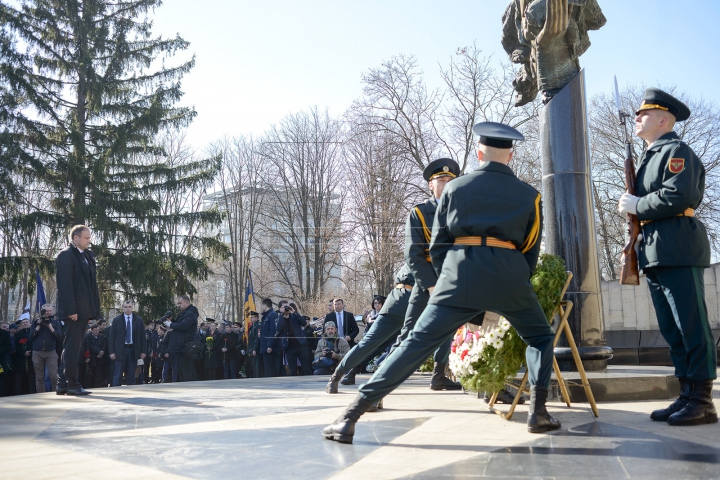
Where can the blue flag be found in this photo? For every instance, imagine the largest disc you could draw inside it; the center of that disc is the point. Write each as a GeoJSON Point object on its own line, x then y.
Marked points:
{"type": "Point", "coordinates": [40, 293]}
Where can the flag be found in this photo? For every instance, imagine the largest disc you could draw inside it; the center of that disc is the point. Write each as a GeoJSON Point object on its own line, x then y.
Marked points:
{"type": "Point", "coordinates": [40, 293]}
{"type": "Point", "coordinates": [249, 303]}
{"type": "Point", "coordinates": [26, 313]}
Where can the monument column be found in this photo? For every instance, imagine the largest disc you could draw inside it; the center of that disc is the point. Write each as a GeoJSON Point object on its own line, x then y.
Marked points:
{"type": "Point", "coordinates": [547, 37]}
{"type": "Point", "coordinates": [570, 219]}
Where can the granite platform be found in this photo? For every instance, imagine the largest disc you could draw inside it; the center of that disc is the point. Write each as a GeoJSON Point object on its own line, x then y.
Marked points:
{"type": "Point", "coordinates": [270, 429]}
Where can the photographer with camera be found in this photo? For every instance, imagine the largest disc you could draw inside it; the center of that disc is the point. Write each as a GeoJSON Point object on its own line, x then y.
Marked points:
{"type": "Point", "coordinates": [291, 328]}
{"type": "Point", "coordinates": [46, 335]}
{"type": "Point", "coordinates": [330, 350]}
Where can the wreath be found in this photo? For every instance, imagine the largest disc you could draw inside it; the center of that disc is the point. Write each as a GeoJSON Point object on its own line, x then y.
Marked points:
{"type": "Point", "coordinates": [482, 361]}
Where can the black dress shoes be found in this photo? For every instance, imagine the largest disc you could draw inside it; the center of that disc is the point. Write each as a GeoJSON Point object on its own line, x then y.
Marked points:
{"type": "Point", "coordinates": [77, 391]}
{"type": "Point", "coordinates": [60, 391]}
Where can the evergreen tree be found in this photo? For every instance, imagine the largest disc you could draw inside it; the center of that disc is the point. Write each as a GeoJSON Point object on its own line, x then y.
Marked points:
{"type": "Point", "coordinates": [102, 74]}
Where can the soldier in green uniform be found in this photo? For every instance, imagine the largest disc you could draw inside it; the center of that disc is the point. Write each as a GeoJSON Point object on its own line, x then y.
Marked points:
{"type": "Point", "coordinates": [485, 245]}
{"type": "Point", "coordinates": [418, 231]}
{"type": "Point", "coordinates": [383, 331]}
{"type": "Point", "coordinates": [673, 252]}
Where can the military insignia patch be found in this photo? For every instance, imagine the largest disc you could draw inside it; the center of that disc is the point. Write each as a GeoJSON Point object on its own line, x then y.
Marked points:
{"type": "Point", "coordinates": [676, 165]}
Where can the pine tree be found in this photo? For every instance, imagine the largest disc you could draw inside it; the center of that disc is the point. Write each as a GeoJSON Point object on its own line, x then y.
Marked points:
{"type": "Point", "coordinates": [103, 75]}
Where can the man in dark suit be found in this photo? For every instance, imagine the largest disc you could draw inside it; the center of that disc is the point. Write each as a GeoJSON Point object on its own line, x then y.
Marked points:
{"type": "Point", "coordinates": [347, 326]}
{"type": "Point", "coordinates": [78, 300]}
{"type": "Point", "coordinates": [127, 344]}
{"type": "Point", "coordinates": [184, 329]}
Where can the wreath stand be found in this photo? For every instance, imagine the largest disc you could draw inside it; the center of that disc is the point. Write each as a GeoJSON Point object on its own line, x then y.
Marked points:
{"type": "Point", "coordinates": [563, 310]}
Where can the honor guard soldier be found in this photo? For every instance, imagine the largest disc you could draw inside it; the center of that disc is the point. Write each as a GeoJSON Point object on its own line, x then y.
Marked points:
{"type": "Point", "coordinates": [418, 231]}
{"type": "Point", "coordinates": [485, 245]}
{"type": "Point", "coordinates": [673, 252]}
{"type": "Point", "coordinates": [383, 331]}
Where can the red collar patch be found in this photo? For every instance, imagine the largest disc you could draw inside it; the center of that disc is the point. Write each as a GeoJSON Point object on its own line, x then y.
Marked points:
{"type": "Point", "coordinates": [676, 165]}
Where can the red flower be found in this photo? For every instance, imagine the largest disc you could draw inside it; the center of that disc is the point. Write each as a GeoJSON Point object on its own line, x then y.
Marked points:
{"type": "Point", "coordinates": [87, 353]}
{"type": "Point", "coordinates": [464, 354]}
{"type": "Point", "coordinates": [454, 347]}
{"type": "Point", "coordinates": [23, 341]}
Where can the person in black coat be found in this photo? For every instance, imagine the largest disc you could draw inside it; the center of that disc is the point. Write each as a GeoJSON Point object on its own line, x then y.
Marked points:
{"type": "Point", "coordinates": [184, 329]}
{"type": "Point", "coordinates": [97, 345]}
{"type": "Point", "coordinates": [228, 352]}
{"type": "Point", "coordinates": [5, 348]}
{"type": "Point", "coordinates": [78, 300]}
{"type": "Point", "coordinates": [291, 326]}
{"type": "Point", "coordinates": [163, 354]}
{"type": "Point", "coordinates": [126, 347]}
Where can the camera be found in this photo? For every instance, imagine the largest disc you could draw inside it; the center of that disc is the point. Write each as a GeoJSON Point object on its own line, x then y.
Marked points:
{"type": "Point", "coordinates": [329, 353]}
{"type": "Point", "coordinates": [286, 308]}
{"type": "Point", "coordinates": [43, 320]}
{"type": "Point", "coordinates": [167, 315]}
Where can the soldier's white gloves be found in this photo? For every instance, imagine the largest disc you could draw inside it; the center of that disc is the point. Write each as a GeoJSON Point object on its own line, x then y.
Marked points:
{"type": "Point", "coordinates": [628, 203]}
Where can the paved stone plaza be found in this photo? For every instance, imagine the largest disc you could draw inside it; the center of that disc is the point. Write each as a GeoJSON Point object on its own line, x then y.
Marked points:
{"type": "Point", "coordinates": [270, 428]}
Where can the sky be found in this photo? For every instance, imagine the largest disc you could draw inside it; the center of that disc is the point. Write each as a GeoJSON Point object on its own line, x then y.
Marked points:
{"type": "Point", "coordinates": [259, 60]}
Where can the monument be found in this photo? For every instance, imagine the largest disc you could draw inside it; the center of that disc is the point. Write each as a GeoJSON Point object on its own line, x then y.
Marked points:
{"type": "Point", "coordinates": [547, 37]}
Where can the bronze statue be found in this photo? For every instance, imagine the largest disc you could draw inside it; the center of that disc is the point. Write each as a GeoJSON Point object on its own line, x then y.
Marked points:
{"type": "Point", "coordinates": [547, 37]}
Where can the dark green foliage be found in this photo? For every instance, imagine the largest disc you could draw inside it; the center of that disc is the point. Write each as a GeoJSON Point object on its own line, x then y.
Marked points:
{"type": "Point", "coordinates": [429, 365]}
{"type": "Point", "coordinates": [496, 365]}
{"type": "Point", "coordinates": [101, 91]}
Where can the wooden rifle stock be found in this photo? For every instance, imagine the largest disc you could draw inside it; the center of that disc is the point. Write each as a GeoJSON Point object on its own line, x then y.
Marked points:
{"type": "Point", "coordinates": [630, 273]}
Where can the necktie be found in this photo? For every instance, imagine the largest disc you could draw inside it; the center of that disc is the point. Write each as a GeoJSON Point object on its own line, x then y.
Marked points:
{"type": "Point", "coordinates": [128, 330]}
{"type": "Point", "coordinates": [340, 324]}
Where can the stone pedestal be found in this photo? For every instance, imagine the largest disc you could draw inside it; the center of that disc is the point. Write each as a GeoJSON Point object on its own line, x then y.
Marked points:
{"type": "Point", "coordinates": [570, 219]}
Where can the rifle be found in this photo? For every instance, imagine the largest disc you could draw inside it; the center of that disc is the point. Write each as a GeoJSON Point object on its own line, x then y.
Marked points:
{"type": "Point", "coordinates": [630, 273]}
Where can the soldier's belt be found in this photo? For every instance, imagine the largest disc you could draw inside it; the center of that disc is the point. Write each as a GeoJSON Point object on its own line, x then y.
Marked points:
{"type": "Point", "coordinates": [690, 212]}
{"type": "Point", "coordinates": [403, 285]}
{"type": "Point", "coordinates": [473, 241]}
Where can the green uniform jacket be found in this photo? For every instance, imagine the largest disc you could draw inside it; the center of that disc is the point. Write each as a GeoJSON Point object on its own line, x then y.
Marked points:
{"type": "Point", "coordinates": [490, 201]}
{"type": "Point", "coordinates": [671, 178]}
{"type": "Point", "coordinates": [418, 229]}
{"type": "Point", "coordinates": [254, 338]}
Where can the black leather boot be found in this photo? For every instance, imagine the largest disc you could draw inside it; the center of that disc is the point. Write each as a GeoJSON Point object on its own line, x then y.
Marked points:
{"type": "Point", "coordinates": [349, 379]}
{"type": "Point", "coordinates": [343, 429]}
{"type": "Point", "coordinates": [699, 410]}
{"type": "Point", "coordinates": [332, 386]}
{"type": "Point", "coordinates": [663, 414]}
{"type": "Point", "coordinates": [539, 420]}
{"type": "Point", "coordinates": [504, 397]}
{"type": "Point", "coordinates": [439, 381]}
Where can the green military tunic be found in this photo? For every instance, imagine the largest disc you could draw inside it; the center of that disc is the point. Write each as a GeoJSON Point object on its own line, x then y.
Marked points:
{"type": "Point", "coordinates": [675, 251]}
{"type": "Point", "coordinates": [671, 179]}
{"type": "Point", "coordinates": [489, 202]}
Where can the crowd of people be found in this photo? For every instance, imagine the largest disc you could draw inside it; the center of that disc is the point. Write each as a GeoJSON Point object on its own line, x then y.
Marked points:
{"type": "Point", "coordinates": [130, 351]}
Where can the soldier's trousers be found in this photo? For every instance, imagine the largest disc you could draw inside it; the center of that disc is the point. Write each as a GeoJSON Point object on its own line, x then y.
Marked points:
{"type": "Point", "coordinates": [678, 294]}
{"type": "Point", "coordinates": [382, 333]}
{"type": "Point", "coordinates": [414, 311]}
{"type": "Point", "coordinates": [438, 322]}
